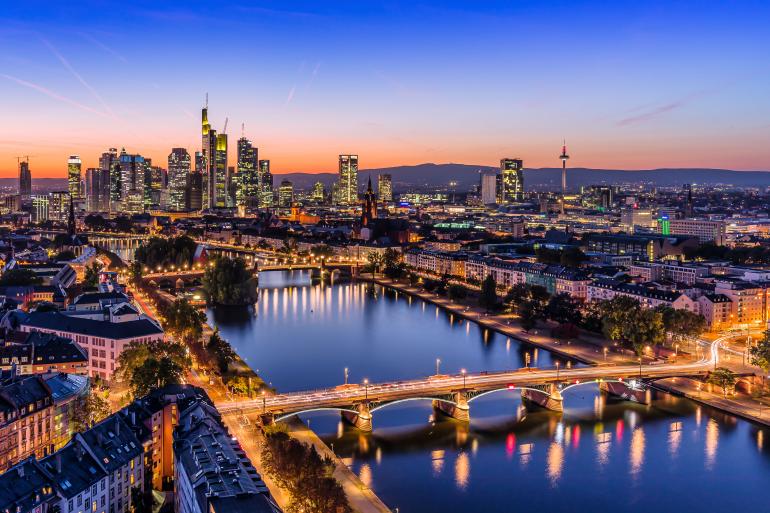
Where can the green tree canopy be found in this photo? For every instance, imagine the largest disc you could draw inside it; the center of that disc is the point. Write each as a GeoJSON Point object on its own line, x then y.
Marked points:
{"type": "Point", "coordinates": [19, 278]}
{"type": "Point", "coordinates": [723, 378]}
{"type": "Point", "coordinates": [229, 282]}
{"type": "Point", "coordinates": [759, 353]}
{"type": "Point", "coordinates": [488, 295]}
{"type": "Point", "coordinates": [162, 252]}
{"type": "Point", "coordinates": [155, 364]}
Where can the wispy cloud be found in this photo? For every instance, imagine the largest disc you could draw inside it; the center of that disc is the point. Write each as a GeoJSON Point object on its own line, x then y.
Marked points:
{"type": "Point", "coordinates": [78, 77]}
{"type": "Point", "coordinates": [400, 87]}
{"type": "Point", "coordinates": [275, 12]}
{"type": "Point", "coordinates": [314, 74]}
{"type": "Point", "coordinates": [290, 97]}
{"type": "Point", "coordinates": [103, 46]}
{"type": "Point", "coordinates": [53, 94]}
{"type": "Point", "coordinates": [651, 113]}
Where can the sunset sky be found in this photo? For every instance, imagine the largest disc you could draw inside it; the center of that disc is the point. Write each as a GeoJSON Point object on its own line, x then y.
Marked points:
{"type": "Point", "coordinates": [630, 85]}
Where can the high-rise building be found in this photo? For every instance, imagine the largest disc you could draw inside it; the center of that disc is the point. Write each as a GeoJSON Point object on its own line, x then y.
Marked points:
{"type": "Point", "coordinates": [266, 199]}
{"type": "Point", "coordinates": [512, 175]}
{"type": "Point", "coordinates": [97, 187]}
{"type": "Point", "coordinates": [59, 206]}
{"type": "Point", "coordinates": [564, 158]}
{"type": "Point", "coordinates": [285, 194]}
{"type": "Point", "coordinates": [40, 204]}
{"type": "Point", "coordinates": [109, 163]}
{"type": "Point", "coordinates": [132, 182]}
{"type": "Point", "coordinates": [195, 189]}
{"type": "Point", "coordinates": [74, 177]}
{"type": "Point", "coordinates": [348, 194]}
{"type": "Point", "coordinates": [154, 182]}
{"type": "Point", "coordinates": [489, 189]}
{"type": "Point", "coordinates": [221, 175]}
{"type": "Point", "coordinates": [318, 193]}
{"type": "Point", "coordinates": [215, 178]}
{"type": "Point", "coordinates": [178, 178]}
{"type": "Point", "coordinates": [248, 181]}
{"type": "Point", "coordinates": [25, 180]}
{"type": "Point", "coordinates": [385, 188]}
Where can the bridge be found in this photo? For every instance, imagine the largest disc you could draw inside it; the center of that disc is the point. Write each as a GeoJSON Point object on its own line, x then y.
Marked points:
{"type": "Point", "coordinates": [452, 394]}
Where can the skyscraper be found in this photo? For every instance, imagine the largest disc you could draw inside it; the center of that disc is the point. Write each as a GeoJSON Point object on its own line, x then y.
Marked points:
{"type": "Point", "coordinates": [97, 190]}
{"type": "Point", "coordinates": [73, 177]}
{"type": "Point", "coordinates": [248, 181]}
{"type": "Point", "coordinates": [318, 193]}
{"type": "Point", "coordinates": [178, 178]}
{"type": "Point", "coordinates": [385, 188]}
{"type": "Point", "coordinates": [266, 199]}
{"type": "Point", "coordinates": [154, 182]}
{"type": "Point", "coordinates": [512, 175]}
{"type": "Point", "coordinates": [489, 189]}
{"type": "Point", "coordinates": [110, 165]}
{"type": "Point", "coordinates": [59, 206]}
{"type": "Point", "coordinates": [221, 177]}
{"type": "Point", "coordinates": [132, 182]}
{"type": "Point", "coordinates": [348, 194]}
{"type": "Point", "coordinates": [25, 180]}
{"type": "Point", "coordinates": [285, 194]}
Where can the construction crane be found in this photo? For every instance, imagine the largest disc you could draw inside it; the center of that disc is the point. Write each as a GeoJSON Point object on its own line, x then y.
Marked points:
{"type": "Point", "coordinates": [243, 130]}
{"type": "Point", "coordinates": [25, 157]}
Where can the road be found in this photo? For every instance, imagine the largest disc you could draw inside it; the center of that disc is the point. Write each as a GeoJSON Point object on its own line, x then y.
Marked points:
{"type": "Point", "coordinates": [345, 396]}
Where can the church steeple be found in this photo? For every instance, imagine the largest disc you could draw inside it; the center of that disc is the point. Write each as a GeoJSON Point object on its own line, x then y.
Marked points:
{"type": "Point", "coordinates": [369, 211]}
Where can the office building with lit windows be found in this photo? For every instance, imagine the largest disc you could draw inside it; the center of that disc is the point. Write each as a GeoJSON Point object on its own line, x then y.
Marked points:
{"type": "Point", "coordinates": [348, 179]}
{"type": "Point", "coordinates": [512, 176]}
{"type": "Point", "coordinates": [74, 176]}
{"type": "Point", "coordinates": [178, 178]}
{"type": "Point", "coordinates": [385, 188]}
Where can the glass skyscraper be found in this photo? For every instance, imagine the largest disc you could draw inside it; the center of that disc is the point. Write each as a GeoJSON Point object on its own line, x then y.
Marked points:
{"type": "Point", "coordinates": [178, 179]}
{"type": "Point", "coordinates": [348, 192]}
{"type": "Point", "coordinates": [512, 177]}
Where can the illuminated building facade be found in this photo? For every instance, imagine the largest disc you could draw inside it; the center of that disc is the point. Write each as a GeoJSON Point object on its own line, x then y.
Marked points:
{"type": "Point", "coordinates": [25, 180]}
{"type": "Point", "coordinates": [178, 178]}
{"type": "Point", "coordinates": [512, 175]}
{"type": "Point", "coordinates": [109, 163]}
{"type": "Point", "coordinates": [266, 198]}
{"type": "Point", "coordinates": [74, 176]}
{"type": "Point", "coordinates": [348, 193]}
{"type": "Point", "coordinates": [58, 206]}
{"type": "Point", "coordinates": [285, 194]}
{"type": "Point", "coordinates": [318, 193]}
{"type": "Point", "coordinates": [132, 182]}
{"type": "Point", "coordinates": [385, 188]}
{"type": "Point", "coordinates": [248, 178]}
{"type": "Point", "coordinates": [97, 190]}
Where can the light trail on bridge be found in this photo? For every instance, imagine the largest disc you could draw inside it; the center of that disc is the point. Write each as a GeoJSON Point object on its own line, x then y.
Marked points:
{"type": "Point", "coordinates": [343, 396]}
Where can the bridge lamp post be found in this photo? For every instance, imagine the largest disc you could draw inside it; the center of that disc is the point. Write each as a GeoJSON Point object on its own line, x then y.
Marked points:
{"type": "Point", "coordinates": [366, 389]}
{"type": "Point", "coordinates": [438, 364]}
{"type": "Point", "coordinates": [464, 372]}
{"type": "Point", "coordinates": [640, 367]}
{"type": "Point", "coordinates": [346, 375]}
{"type": "Point", "coordinates": [558, 366]}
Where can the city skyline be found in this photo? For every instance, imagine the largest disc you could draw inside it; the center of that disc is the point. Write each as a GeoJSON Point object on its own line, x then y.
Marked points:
{"type": "Point", "coordinates": [629, 87]}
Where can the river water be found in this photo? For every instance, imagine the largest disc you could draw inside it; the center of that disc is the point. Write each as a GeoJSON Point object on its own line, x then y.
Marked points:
{"type": "Point", "coordinates": [601, 454]}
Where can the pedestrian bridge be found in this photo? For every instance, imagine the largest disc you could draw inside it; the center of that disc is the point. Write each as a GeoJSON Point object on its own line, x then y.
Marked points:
{"type": "Point", "coordinates": [453, 394]}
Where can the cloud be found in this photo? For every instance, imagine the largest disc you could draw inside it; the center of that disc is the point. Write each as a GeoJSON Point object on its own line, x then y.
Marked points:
{"type": "Point", "coordinates": [652, 113]}
{"type": "Point", "coordinates": [78, 77]}
{"type": "Point", "coordinates": [275, 12]}
{"type": "Point", "coordinates": [313, 74]}
{"type": "Point", "coordinates": [291, 95]}
{"type": "Point", "coordinates": [54, 95]}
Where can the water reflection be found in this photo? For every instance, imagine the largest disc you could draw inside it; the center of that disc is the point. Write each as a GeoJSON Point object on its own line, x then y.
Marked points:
{"type": "Point", "coordinates": [462, 470]}
{"type": "Point", "coordinates": [712, 442]}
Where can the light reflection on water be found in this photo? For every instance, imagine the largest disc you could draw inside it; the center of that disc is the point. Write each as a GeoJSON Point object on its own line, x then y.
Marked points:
{"type": "Point", "coordinates": [601, 453]}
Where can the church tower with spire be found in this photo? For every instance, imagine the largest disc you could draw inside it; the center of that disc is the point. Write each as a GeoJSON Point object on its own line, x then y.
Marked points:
{"type": "Point", "coordinates": [369, 211]}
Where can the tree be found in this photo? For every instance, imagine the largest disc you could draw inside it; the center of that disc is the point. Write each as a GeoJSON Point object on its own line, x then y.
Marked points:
{"type": "Point", "coordinates": [529, 314]}
{"type": "Point", "coordinates": [322, 250]}
{"type": "Point", "coordinates": [155, 372]}
{"type": "Point", "coordinates": [457, 292]}
{"type": "Point", "coordinates": [572, 257]}
{"type": "Point", "coordinates": [91, 278]}
{"type": "Point", "coordinates": [646, 328]}
{"type": "Point", "coordinates": [95, 222]}
{"type": "Point", "coordinates": [184, 321]}
{"type": "Point", "coordinates": [61, 240]}
{"type": "Point", "coordinates": [759, 353]}
{"type": "Point", "coordinates": [722, 377]}
{"type": "Point", "coordinates": [564, 309]}
{"type": "Point", "coordinates": [221, 350]}
{"type": "Point", "coordinates": [488, 295]}
{"type": "Point", "coordinates": [64, 256]}
{"type": "Point", "coordinates": [88, 410]}
{"type": "Point", "coordinates": [19, 278]}
{"type": "Point", "coordinates": [375, 260]}
{"type": "Point", "coordinates": [155, 364]}
{"type": "Point", "coordinates": [229, 282]}
{"type": "Point", "coordinates": [162, 252]}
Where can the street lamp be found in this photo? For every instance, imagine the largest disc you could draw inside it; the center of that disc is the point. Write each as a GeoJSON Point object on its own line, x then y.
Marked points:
{"type": "Point", "coordinates": [438, 363]}
{"type": "Point", "coordinates": [640, 367]}
{"type": "Point", "coordinates": [605, 353]}
{"type": "Point", "coordinates": [346, 375]}
{"type": "Point", "coordinates": [558, 365]}
{"type": "Point", "coordinates": [264, 405]}
{"type": "Point", "coordinates": [463, 371]}
{"type": "Point", "coordinates": [366, 389]}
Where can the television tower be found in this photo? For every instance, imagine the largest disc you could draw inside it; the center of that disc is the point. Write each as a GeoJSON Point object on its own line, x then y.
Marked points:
{"type": "Point", "coordinates": [564, 157]}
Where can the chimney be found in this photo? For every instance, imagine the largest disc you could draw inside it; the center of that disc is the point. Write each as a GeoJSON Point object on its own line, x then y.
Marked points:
{"type": "Point", "coordinates": [58, 462]}
{"type": "Point", "coordinates": [117, 425]}
{"type": "Point", "coordinates": [133, 418]}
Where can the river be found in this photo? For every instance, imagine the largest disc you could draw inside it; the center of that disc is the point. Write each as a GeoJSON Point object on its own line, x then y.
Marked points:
{"type": "Point", "coordinates": [601, 454]}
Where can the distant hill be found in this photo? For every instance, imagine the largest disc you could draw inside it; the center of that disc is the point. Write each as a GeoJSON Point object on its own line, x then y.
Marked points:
{"type": "Point", "coordinates": [434, 175]}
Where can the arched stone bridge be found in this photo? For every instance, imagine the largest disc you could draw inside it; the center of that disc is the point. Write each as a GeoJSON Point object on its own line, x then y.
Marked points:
{"type": "Point", "coordinates": [452, 394]}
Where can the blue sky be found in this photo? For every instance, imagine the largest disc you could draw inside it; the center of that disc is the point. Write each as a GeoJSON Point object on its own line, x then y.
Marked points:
{"type": "Point", "coordinates": [628, 84]}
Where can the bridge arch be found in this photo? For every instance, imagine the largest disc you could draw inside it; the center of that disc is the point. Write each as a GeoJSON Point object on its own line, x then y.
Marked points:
{"type": "Point", "coordinates": [628, 383]}
{"type": "Point", "coordinates": [311, 410]}
{"type": "Point", "coordinates": [503, 389]}
{"type": "Point", "coordinates": [408, 399]}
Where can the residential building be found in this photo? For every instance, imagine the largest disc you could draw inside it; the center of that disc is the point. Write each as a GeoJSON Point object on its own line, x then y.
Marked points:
{"type": "Point", "coordinates": [439, 263]}
{"type": "Point", "coordinates": [39, 353]}
{"type": "Point", "coordinates": [649, 297]}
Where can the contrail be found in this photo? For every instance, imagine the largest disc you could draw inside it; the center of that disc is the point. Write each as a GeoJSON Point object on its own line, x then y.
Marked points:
{"type": "Point", "coordinates": [103, 46]}
{"type": "Point", "coordinates": [54, 95]}
{"type": "Point", "coordinates": [291, 95]}
{"type": "Point", "coordinates": [80, 79]}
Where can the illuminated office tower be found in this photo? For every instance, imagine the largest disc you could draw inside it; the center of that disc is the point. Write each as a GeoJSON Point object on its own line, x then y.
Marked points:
{"type": "Point", "coordinates": [195, 185]}
{"type": "Point", "coordinates": [348, 181]}
{"type": "Point", "coordinates": [221, 177]}
{"type": "Point", "coordinates": [154, 182]}
{"type": "Point", "coordinates": [59, 206]}
{"type": "Point", "coordinates": [97, 190]}
{"type": "Point", "coordinates": [285, 194]}
{"type": "Point", "coordinates": [248, 181]}
{"type": "Point", "coordinates": [73, 177]}
{"type": "Point", "coordinates": [25, 180]}
{"type": "Point", "coordinates": [40, 204]}
{"type": "Point", "coordinates": [178, 178]}
{"type": "Point", "coordinates": [215, 177]}
{"type": "Point", "coordinates": [109, 163]}
{"type": "Point", "coordinates": [132, 182]}
{"type": "Point", "coordinates": [385, 188]}
{"type": "Point", "coordinates": [318, 194]}
{"type": "Point", "coordinates": [512, 176]}
{"type": "Point", "coordinates": [266, 198]}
